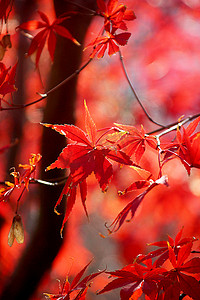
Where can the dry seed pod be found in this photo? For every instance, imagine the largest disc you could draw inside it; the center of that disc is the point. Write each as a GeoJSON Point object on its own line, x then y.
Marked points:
{"type": "Point", "coordinates": [16, 231]}
{"type": "Point", "coordinates": [11, 236]}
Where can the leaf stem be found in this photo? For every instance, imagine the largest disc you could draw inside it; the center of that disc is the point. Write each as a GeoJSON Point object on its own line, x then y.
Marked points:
{"type": "Point", "coordinates": [134, 92]}
{"type": "Point", "coordinates": [17, 207]}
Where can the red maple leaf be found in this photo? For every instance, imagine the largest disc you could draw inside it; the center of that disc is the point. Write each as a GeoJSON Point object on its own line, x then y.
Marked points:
{"type": "Point", "coordinates": [20, 178]}
{"type": "Point", "coordinates": [7, 80]}
{"type": "Point", "coordinates": [163, 252]}
{"type": "Point", "coordinates": [133, 205]}
{"type": "Point", "coordinates": [111, 41]}
{"type": "Point", "coordinates": [77, 289]}
{"type": "Point", "coordinates": [156, 282]}
{"type": "Point", "coordinates": [83, 155]}
{"type": "Point", "coordinates": [134, 141]}
{"type": "Point", "coordinates": [186, 146]}
{"type": "Point", "coordinates": [48, 33]}
{"type": "Point", "coordinates": [114, 15]}
{"type": "Point", "coordinates": [29, 169]}
{"type": "Point", "coordinates": [177, 280]}
{"type": "Point", "coordinates": [136, 277]}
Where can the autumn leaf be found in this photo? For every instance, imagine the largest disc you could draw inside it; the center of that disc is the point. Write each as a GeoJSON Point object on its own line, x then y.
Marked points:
{"type": "Point", "coordinates": [114, 14]}
{"type": "Point", "coordinates": [7, 80]}
{"type": "Point", "coordinates": [185, 283]}
{"type": "Point", "coordinates": [29, 169]}
{"type": "Point", "coordinates": [187, 146]}
{"type": "Point", "coordinates": [47, 34]}
{"type": "Point", "coordinates": [85, 155]}
{"type": "Point", "coordinates": [163, 252]}
{"type": "Point", "coordinates": [133, 205]}
{"type": "Point", "coordinates": [110, 41]}
{"type": "Point", "coordinates": [21, 179]}
{"type": "Point", "coordinates": [77, 286]}
{"type": "Point", "coordinates": [135, 277]}
{"type": "Point", "coordinates": [154, 281]}
{"type": "Point", "coordinates": [134, 141]}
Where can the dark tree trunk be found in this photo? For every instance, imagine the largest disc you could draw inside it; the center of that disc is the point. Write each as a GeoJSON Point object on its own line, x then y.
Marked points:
{"type": "Point", "coordinates": [46, 241]}
{"type": "Point", "coordinates": [24, 10]}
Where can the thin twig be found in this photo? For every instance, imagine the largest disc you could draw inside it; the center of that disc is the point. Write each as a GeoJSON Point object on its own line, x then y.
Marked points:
{"type": "Point", "coordinates": [174, 124]}
{"type": "Point", "coordinates": [45, 95]}
{"type": "Point", "coordinates": [134, 92]}
{"type": "Point", "coordinates": [56, 183]}
{"type": "Point", "coordinates": [172, 128]}
{"type": "Point", "coordinates": [17, 207]}
{"type": "Point", "coordinates": [93, 12]}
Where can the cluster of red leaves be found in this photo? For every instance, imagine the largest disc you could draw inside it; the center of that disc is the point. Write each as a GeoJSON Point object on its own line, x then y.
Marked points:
{"type": "Point", "coordinates": [21, 180]}
{"type": "Point", "coordinates": [48, 33]}
{"type": "Point", "coordinates": [77, 289]}
{"type": "Point", "coordinates": [88, 152]}
{"type": "Point", "coordinates": [155, 280]}
{"type": "Point", "coordinates": [114, 15]}
{"type": "Point", "coordinates": [186, 146]}
{"type": "Point", "coordinates": [7, 81]}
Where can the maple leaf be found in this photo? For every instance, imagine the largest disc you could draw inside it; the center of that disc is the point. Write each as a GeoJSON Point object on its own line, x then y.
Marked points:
{"type": "Point", "coordinates": [5, 192]}
{"type": "Point", "coordinates": [187, 146]}
{"type": "Point", "coordinates": [7, 80]}
{"type": "Point", "coordinates": [29, 169]}
{"type": "Point", "coordinates": [133, 205]}
{"type": "Point", "coordinates": [163, 252]}
{"type": "Point", "coordinates": [111, 41]}
{"type": "Point", "coordinates": [179, 280]}
{"type": "Point", "coordinates": [20, 179]}
{"type": "Point", "coordinates": [136, 277]}
{"type": "Point", "coordinates": [48, 33]}
{"type": "Point", "coordinates": [114, 15]}
{"type": "Point", "coordinates": [134, 141]}
{"type": "Point", "coordinates": [77, 289]}
{"type": "Point", "coordinates": [84, 155]}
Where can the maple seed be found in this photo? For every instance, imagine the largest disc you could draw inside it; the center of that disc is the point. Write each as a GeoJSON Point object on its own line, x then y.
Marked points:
{"type": "Point", "coordinates": [16, 231]}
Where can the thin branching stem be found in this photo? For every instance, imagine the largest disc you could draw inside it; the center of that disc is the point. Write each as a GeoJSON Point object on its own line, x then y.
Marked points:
{"type": "Point", "coordinates": [93, 12]}
{"type": "Point", "coordinates": [45, 95]}
{"type": "Point", "coordinates": [134, 92]}
{"type": "Point", "coordinates": [18, 200]}
{"type": "Point", "coordinates": [173, 126]}
{"type": "Point", "coordinates": [51, 183]}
